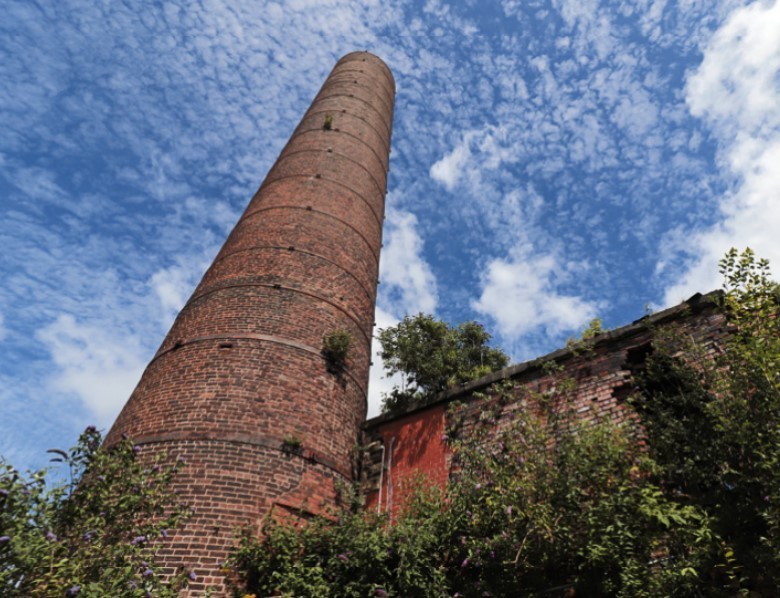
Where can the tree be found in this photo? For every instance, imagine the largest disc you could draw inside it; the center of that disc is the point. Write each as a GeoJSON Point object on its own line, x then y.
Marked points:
{"type": "Point", "coordinates": [713, 425]}
{"type": "Point", "coordinates": [432, 356]}
{"type": "Point", "coordinates": [93, 535]}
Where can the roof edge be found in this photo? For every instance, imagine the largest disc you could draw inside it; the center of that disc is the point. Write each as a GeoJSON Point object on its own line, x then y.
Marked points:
{"type": "Point", "coordinates": [695, 304]}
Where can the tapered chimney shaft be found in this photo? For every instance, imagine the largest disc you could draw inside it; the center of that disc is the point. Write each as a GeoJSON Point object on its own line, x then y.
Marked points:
{"type": "Point", "coordinates": [240, 387]}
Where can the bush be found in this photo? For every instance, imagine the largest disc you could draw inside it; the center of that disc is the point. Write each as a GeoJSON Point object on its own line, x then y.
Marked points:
{"type": "Point", "coordinates": [337, 346]}
{"type": "Point", "coordinates": [713, 425]}
{"type": "Point", "coordinates": [542, 504]}
{"type": "Point", "coordinates": [96, 535]}
{"type": "Point", "coordinates": [520, 516]}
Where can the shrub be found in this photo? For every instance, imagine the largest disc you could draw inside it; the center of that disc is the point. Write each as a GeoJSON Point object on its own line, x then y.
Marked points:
{"type": "Point", "coordinates": [96, 535]}
{"type": "Point", "coordinates": [337, 346]}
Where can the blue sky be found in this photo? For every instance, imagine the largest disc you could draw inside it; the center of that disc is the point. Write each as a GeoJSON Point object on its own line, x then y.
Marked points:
{"type": "Point", "coordinates": [552, 161]}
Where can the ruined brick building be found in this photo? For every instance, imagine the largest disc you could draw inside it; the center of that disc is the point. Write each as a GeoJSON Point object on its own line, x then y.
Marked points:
{"type": "Point", "coordinates": [241, 388]}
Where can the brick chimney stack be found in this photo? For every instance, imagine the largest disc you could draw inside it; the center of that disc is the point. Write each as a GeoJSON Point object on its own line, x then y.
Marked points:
{"type": "Point", "coordinates": [240, 387]}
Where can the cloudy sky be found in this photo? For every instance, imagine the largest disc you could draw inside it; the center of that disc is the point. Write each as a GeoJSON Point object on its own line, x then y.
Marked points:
{"type": "Point", "coordinates": [552, 161]}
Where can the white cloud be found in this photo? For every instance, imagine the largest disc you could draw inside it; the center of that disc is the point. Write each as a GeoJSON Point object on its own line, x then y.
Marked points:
{"type": "Point", "coordinates": [168, 285]}
{"type": "Point", "coordinates": [174, 285]}
{"type": "Point", "coordinates": [736, 90]}
{"type": "Point", "coordinates": [449, 169]}
{"type": "Point", "coordinates": [477, 152]}
{"type": "Point", "coordinates": [408, 287]}
{"type": "Point", "coordinates": [378, 384]}
{"type": "Point", "coordinates": [408, 284]}
{"type": "Point", "coordinates": [99, 366]}
{"type": "Point", "coordinates": [520, 295]}
{"type": "Point", "coordinates": [736, 85]}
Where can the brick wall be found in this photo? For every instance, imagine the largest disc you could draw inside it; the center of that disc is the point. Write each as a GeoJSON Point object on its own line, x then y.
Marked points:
{"type": "Point", "coordinates": [241, 369]}
{"type": "Point", "coordinates": [414, 441]}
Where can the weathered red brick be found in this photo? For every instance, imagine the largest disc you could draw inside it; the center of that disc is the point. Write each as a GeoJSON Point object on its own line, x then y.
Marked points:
{"type": "Point", "coordinates": [241, 368]}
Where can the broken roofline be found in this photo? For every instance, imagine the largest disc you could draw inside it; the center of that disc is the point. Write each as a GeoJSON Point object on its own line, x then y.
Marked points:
{"type": "Point", "coordinates": [693, 305]}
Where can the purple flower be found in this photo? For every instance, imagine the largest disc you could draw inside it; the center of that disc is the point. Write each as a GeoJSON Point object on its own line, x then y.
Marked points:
{"type": "Point", "coordinates": [147, 572]}
{"type": "Point", "coordinates": [192, 575]}
{"type": "Point", "coordinates": [478, 486]}
{"type": "Point", "coordinates": [509, 510]}
{"type": "Point", "coordinates": [137, 449]}
{"type": "Point", "coordinates": [164, 533]}
{"type": "Point", "coordinates": [155, 468]}
{"type": "Point", "coordinates": [50, 536]}
{"type": "Point", "coordinates": [5, 539]}
{"type": "Point", "coordinates": [73, 591]}
{"type": "Point", "coordinates": [138, 540]}
{"type": "Point", "coordinates": [91, 429]}
{"type": "Point", "coordinates": [342, 557]}
{"type": "Point", "coordinates": [380, 592]}
{"type": "Point", "coordinates": [89, 535]}
{"type": "Point", "coordinates": [444, 438]}
{"type": "Point", "coordinates": [3, 492]}
{"type": "Point", "coordinates": [465, 563]}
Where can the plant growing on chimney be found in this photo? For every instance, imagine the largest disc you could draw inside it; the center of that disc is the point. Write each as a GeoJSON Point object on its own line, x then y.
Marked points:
{"type": "Point", "coordinates": [291, 444]}
{"type": "Point", "coordinates": [328, 125]}
{"type": "Point", "coordinates": [336, 346]}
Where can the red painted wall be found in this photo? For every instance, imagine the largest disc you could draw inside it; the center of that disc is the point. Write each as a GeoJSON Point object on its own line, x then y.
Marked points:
{"type": "Point", "coordinates": [414, 445]}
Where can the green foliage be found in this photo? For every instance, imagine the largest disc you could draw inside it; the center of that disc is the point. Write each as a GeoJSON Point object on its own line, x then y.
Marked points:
{"type": "Point", "coordinates": [94, 535]}
{"type": "Point", "coordinates": [433, 356]}
{"type": "Point", "coordinates": [713, 425]}
{"type": "Point", "coordinates": [353, 555]}
{"type": "Point", "coordinates": [328, 124]}
{"type": "Point", "coordinates": [544, 504]}
{"type": "Point", "coordinates": [522, 517]}
{"type": "Point", "coordinates": [595, 328]}
{"type": "Point", "coordinates": [336, 346]}
{"type": "Point", "coordinates": [583, 514]}
{"type": "Point", "coordinates": [292, 443]}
